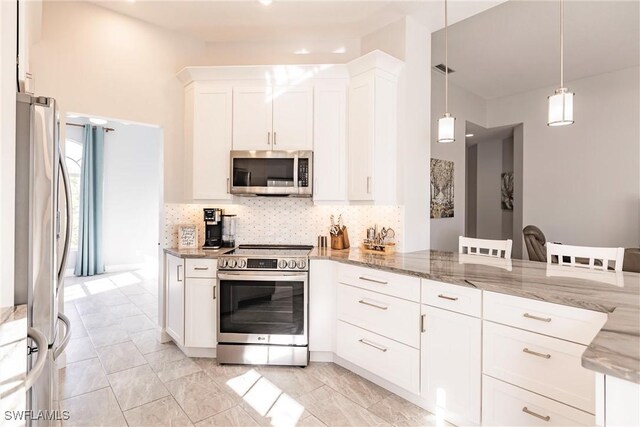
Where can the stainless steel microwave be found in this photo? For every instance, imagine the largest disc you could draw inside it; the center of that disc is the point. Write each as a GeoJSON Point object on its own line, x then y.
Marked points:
{"type": "Point", "coordinates": [272, 173]}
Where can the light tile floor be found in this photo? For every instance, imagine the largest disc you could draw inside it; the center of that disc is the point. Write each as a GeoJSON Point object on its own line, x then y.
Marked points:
{"type": "Point", "coordinates": [118, 374]}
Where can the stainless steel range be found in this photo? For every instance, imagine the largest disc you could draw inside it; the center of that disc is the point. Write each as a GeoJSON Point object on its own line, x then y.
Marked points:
{"type": "Point", "coordinates": [263, 305]}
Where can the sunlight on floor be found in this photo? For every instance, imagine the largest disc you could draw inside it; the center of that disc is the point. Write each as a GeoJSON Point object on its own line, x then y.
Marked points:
{"type": "Point", "coordinates": [80, 287]}
{"type": "Point", "coordinates": [266, 398]}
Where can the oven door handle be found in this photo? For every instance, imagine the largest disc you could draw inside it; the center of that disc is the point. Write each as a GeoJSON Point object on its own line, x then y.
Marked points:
{"type": "Point", "coordinates": [265, 276]}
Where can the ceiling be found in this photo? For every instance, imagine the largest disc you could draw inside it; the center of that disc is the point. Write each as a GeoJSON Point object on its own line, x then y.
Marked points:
{"type": "Point", "coordinates": [514, 47]}
{"type": "Point", "coordinates": [250, 21]}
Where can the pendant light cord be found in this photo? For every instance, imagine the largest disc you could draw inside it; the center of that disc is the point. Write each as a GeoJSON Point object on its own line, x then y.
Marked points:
{"type": "Point", "coordinates": [446, 60]}
{"type": "Point", "coordinates": [561, 43]}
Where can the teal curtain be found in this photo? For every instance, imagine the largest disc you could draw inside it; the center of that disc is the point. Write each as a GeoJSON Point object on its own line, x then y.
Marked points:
{"type": "Point", "coordinates": [89, 261]}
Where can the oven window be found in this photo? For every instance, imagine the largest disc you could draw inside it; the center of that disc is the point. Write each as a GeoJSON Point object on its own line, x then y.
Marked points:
{"type": "Point", "coordinates": [250, 172]}
{"type": "Point", "coordinates": [261, 307]}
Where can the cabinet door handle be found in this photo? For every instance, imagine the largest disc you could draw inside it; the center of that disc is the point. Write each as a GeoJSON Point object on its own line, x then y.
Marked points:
{"type": "Point", "coordinates": [214, 292]}
{"type": "Point", "coordinates": [178, 273]}
{"type": "Point", "coordinates": [449, 298]}
{"type": "Point", "coordinates": [370, 344]}
{"type": "Point", "coordinates": [274, 138]}
{"type": "Point", "coordinates": [535, 353]}
{"type": "Point", "coordinates": [201, 268]}
{"type": "Point", "coordinates": [381, 307]}
{"type": "Point", "coordinates": [228, 186]}
{"type": "Point", "coordinates": [368, 185]}
{"type": "Point", "coordinates": [268, 138]}
{"type": "Point", "coordinates": [372, 280]}
{"type": "Point", "coordinates": [542, 417]}
{"type": "Point", "coordinates": [542, 319]}
{"type": "Point", "coordinates": [423, 321]}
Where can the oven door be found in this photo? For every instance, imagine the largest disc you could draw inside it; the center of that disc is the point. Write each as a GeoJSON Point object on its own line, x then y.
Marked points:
{"type": "Point", "coordinates": [263, 308]}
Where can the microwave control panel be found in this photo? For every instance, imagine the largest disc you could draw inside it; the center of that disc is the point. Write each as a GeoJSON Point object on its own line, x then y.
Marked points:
{"type": "Point", "coordinates": [303, 172]}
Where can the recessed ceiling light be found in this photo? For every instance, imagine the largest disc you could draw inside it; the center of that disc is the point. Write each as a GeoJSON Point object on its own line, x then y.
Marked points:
{"type": "Point", "coordinates": [301, 52]}
{"type": "Point", "coordinates": [265, 2]}
{"type": "Point", "coordinates": [469, 135]}
{"type": "Point", "coordinates": [341, 49]}
{"type": "Point", "coordinates": [98, 121]}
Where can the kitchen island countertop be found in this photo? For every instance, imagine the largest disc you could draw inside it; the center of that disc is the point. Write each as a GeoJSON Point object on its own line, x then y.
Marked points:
{"type": "Point", "coordinates": [616, 348]}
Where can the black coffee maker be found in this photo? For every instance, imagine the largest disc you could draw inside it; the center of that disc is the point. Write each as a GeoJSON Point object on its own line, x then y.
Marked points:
{"type": "Point", "coordinates": [212, 228]}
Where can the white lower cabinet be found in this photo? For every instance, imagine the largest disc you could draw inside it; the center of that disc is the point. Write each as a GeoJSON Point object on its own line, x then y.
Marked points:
{"type": "Point", "coordinates": [383, 314]}
{"type": "Point", "coordinates": [507, 405]}
{"type": "Point", "coordinates": [174, 279]}
{"type": "Point", "coordinates": [191, 301]}
{"type": "Point", "coordinates": [322, 306]}
{"type": "Point", "coordinates": [451, 365]}
{"type": "Point", "coordinates": [200, 313]}
{"type": "Point", "coordinates": [541, 364]}
{"type": "Point", "coordinates": [384, 357]}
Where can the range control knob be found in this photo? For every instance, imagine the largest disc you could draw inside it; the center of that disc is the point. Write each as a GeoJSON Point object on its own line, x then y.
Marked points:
{"type": "Point", "coordinates": [242, 263]}
{"type": "Point", "coordinates": [232, 263]}
{"type": "Point", "coordinates": [282, 264]}
{"type": "Point", "coordinates": [222, 262]}
{"type": "Point", "coordinates": [301, 264]}
{"type": "Point", "coordinates": [292, 264]}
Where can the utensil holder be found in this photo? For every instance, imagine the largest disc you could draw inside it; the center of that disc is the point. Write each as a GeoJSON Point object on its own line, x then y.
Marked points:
{"type": "Point", "coordinates": [337, 241]}
{"type": "Point", "coordinates": [345, 238]}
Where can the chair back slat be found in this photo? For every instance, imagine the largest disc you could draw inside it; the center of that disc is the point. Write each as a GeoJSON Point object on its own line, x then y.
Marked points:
{"type": "Point", "coordinates": [585, 256]}
{"type": "Point", "coordinates": [485, 247]}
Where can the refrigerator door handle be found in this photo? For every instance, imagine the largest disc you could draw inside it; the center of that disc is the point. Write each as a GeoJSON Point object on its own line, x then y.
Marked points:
{"type": "Point", "coordinates": [43, 350]}
{"type": "Point", "coordinates": [67, 336]}
{"type": "Point", "coordinates": [67, 231]}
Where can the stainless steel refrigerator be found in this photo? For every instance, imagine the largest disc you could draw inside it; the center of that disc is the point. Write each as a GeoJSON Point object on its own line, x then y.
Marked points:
{"type": "Point", "coordinates": [42, 234]}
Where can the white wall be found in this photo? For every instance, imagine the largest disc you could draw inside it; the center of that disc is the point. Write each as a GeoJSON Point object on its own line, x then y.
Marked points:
{"type": "Point", "coordinates": [8, 10]}
{"type": "Point", "coordinates": [581, 183]}
{"type": "Point", "coordinates": [98, 62]}
{"type": "Point", "coordinates": [464, 106]}
{"type": "Point", "coordinates": [132, 184]}
{"type": "Point", "coordinates": [489, 213]}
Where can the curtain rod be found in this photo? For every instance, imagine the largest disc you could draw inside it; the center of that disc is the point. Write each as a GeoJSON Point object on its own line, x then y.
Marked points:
{"type": "Point", "coordinates": [75, 124]}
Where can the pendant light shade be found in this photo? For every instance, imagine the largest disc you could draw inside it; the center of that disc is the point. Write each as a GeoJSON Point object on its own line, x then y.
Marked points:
{"type": "Point", "coordinates": [561, 102]}
{"type": "Point", "coordinates": [446, 129]}
{"type": "Point", "coordinates": [560, 108]}
{"type": "Point", "coordinates": [446, 123]}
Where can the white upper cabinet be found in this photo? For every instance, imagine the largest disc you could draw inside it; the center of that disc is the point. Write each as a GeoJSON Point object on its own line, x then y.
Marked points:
{"type": "Point", "coordinates": [252, 118]}
{"type": "Point", "coordinates": [208, 113]}
{"type": "Point", "coordinates": [330, 142]}
{"type": "Point", "coordinates": [273, 118]}
{"type": "Point", "coordinates": [372, 143]}
{"type": "Point", "coordinates": [292, 118]}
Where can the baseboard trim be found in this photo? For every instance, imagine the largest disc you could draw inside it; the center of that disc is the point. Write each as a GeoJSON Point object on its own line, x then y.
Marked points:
{"type": "Point", "coordinates": [321, 356]}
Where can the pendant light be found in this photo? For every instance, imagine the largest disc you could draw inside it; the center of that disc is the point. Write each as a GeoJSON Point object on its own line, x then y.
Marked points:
{"type": "Point", "coordinates": [446, 123]}
{"type": "Point", "coordinates": [561, 102]}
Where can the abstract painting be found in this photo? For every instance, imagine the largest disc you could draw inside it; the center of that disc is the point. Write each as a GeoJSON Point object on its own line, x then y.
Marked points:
{"type": "Point", "coordinates": [442, 177]}
{"type": "Point", "coordinates": [506, 197]}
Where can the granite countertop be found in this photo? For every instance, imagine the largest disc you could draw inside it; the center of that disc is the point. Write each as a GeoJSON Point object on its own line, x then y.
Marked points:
{"type": "Point", "coordinates": [616, 348]}
{"type": "Point", "coordinates": [197, 253]}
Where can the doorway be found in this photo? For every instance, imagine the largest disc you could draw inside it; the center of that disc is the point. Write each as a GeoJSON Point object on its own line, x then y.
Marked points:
{"type": "Point", "coordinates": [132, 184]}
{"type": "Point", "coordinates": [493, 181]}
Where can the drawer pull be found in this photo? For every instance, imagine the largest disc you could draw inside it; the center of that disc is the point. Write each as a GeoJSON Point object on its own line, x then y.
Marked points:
{"type": "Point", "coordinates": [370, 344]}
{"type": "Point", "coordinates": [542, 319]}
{"type": "Point", "coordinates": [201, 268]}
{"type": "Point", "coordinates": [372, 280]}
{"type": "Point", "coordinates": [527, 411]}
{"type": "Point", "coordinates": [214, 292]}
{"type": "Point", "coordinates": [535, 353]}
{"type": "Point", "coordinates": [449, 298]}
{"type": "Point", "coordinates": [381, 307]}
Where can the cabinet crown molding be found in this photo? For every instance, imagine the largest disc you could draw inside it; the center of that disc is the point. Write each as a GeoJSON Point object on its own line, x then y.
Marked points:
{"type": "Point", "coordinates": [375, 60]}
{"type": "Point", "coordinates": [274, 75]}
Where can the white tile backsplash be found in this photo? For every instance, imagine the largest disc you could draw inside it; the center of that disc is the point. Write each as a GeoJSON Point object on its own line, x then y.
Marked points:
{"type": "Point", "coordinates": [285, 220]}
